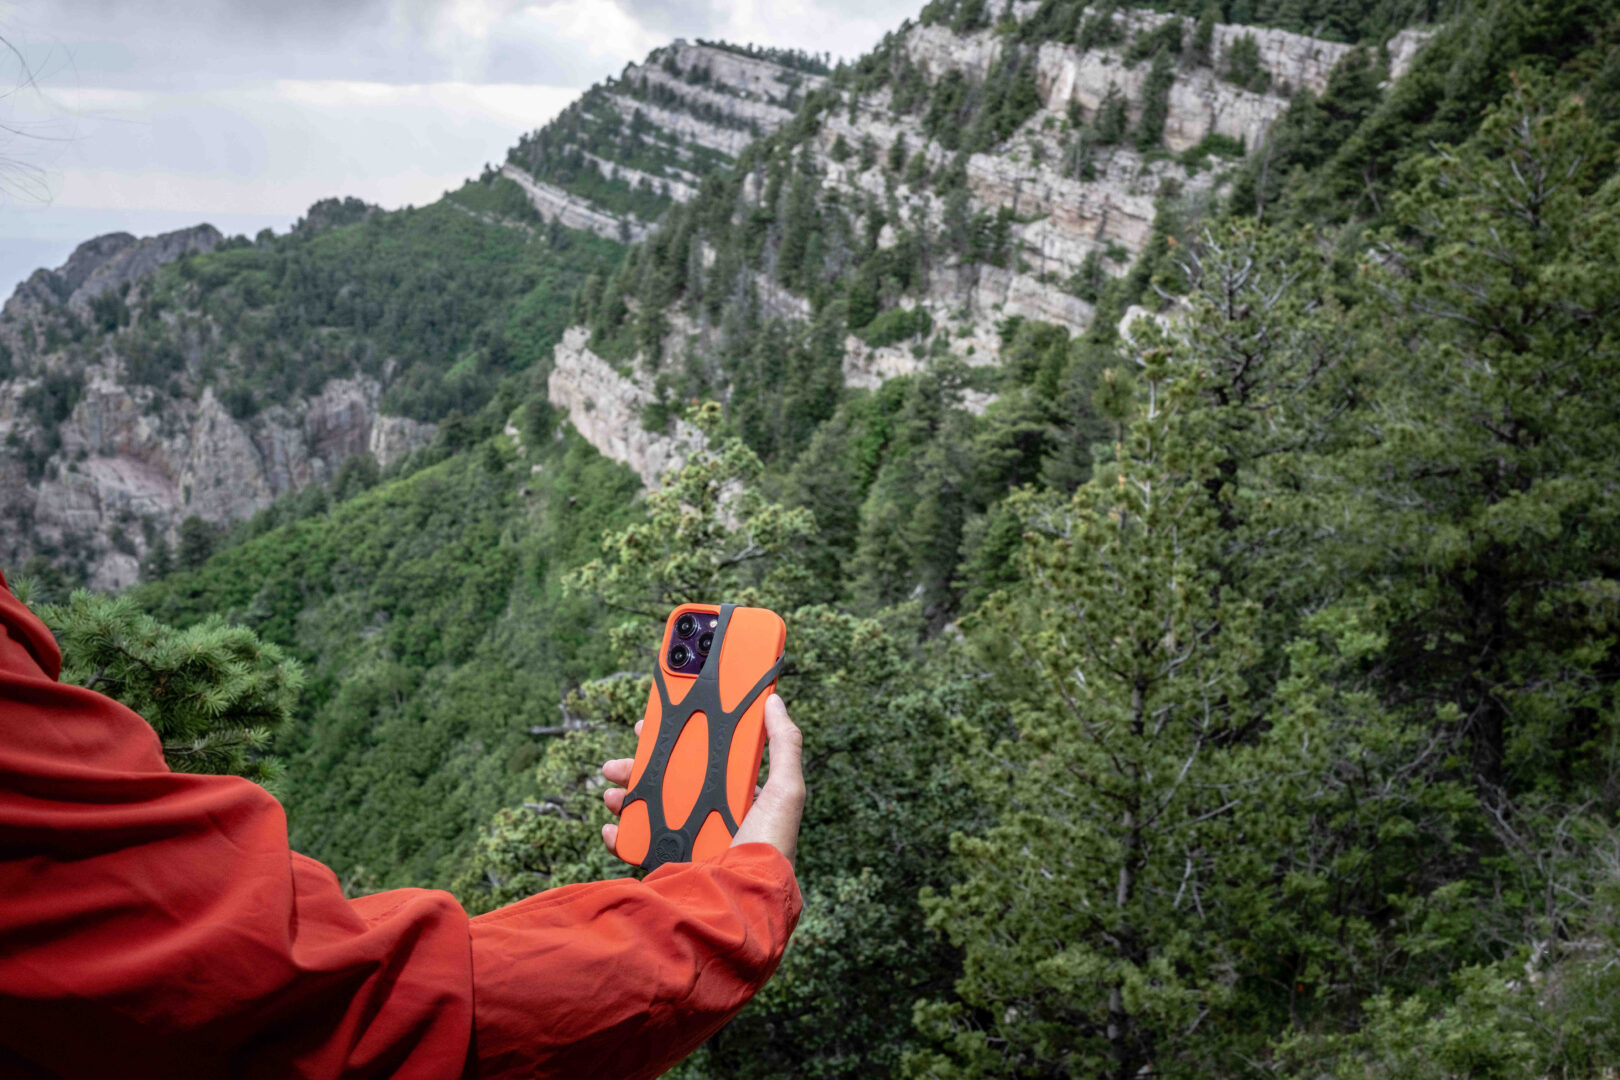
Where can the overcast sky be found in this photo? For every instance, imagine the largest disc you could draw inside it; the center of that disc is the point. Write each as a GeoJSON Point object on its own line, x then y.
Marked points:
{"type": "Point", "coordinates": [149, 115]}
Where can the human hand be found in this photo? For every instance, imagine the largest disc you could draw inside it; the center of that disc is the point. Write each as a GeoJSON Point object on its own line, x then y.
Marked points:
{"type": "Point", "coordinates": [778, 805]}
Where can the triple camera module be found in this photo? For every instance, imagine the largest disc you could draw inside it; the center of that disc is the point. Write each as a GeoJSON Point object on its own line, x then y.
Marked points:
{"type": "Point", "coordinates": [691, 641]}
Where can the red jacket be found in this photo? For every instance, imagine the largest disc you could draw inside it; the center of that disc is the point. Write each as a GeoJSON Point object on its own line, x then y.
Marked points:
{"type": "Point", "coordinates": [156, 924]}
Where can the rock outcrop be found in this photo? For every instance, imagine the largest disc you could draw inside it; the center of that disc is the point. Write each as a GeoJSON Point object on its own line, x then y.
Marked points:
{"type": "Point", "coordinates": [657, 130]}
{"type": "Point", "coordinates": [555, 204]}
{"type": "Point", "coordinates": [129, 462]}
{"type": "Point", "coordinates": [106, 264]}
{"type": "Point", "coordinates": [1066, 208]}
{"type": "Point", "coordinates": [606, 407]}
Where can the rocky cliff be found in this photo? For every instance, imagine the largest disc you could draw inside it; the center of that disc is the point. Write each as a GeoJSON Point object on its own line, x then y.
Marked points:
{"type": "Point", "coordinates": [1068, 202]}
{"type": "Point", "coordinates": [632, 145]}
{"type": "Point", "coordinates": [605, 406]}
{"type": "Point", "coordinates": [96, 466]}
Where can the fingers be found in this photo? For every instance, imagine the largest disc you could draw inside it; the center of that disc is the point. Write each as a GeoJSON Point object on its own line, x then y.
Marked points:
{"type": "Point", "coordinates": [638, 725]}
{"type": "Point", "coordinates": [614, 797]}
{"type": "Point", "coordinates": [610, 837]}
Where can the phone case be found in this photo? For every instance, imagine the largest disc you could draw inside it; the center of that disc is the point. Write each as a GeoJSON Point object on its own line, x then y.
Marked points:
{"type": "Point", "coordinates": [698, 757]}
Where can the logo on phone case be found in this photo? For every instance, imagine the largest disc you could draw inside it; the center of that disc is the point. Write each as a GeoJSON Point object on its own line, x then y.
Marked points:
{"type": "Point", "coordinates": [668, 848]}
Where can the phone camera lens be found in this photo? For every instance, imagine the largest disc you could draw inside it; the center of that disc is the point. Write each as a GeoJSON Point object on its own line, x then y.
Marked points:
{"type": "Point", "coordinates": [685, 625]}
{"type": "Point", "coordinates": [679, 656]}
{"type": "Point", "coordinates": [705, 642]}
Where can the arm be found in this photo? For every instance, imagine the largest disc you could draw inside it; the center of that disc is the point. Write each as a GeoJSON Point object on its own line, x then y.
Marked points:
{"type": "Point", "coordinates": [155, 923]}
{"type": "Point", "coordinates": [667, 960]}
{"type": "Point", "coordinates": [624, 978]}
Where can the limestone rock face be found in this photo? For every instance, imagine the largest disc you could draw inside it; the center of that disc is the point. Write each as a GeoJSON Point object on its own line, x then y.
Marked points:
{"type": "Point", "coordinates": [706, 104]}
{"type": "Point", "coordinates": [128, 460]}
{"type": "Point", "coordinates": [555, 204]}
{"type": "Point", "coordinates": [1065, 208]}
{"type": "Point", "coordinates": [605, 407]}
{"type": "Point", "coordinates": [392, 437]}
{"type": "Point", "coordinates": [130, 463]}
{"type": "Point", "coordinates": [749, 78]}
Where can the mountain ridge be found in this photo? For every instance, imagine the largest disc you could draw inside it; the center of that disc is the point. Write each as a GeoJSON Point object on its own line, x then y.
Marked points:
{"type": "Point", "coordinates": [1054, 222]}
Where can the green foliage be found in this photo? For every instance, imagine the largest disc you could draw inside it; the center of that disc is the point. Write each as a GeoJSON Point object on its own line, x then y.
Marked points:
{"type": "Point", "coordinates": [1244, 67]}
{"type": "Point", "coordinates": [1212, 145]}
{"type": "Point", "coordinates": [398, 602]}
{"type": "Point", "coordinates": [897, 324]}
{"type": "Point", "coordinates": [215, 694]}
{"type": "Point", "coordinates": [438, 303]}
{"type": "Point", "coordinates": [1164, 38]}
{"type": "Point", "coordinates": [1114, 799]}
{"type": "Point", "coordinates": [196, 542]}
{"type": "Point", "coordinates": [1155, 101]}
{"type": "Point", "coordinates": [1355, 150]}
{"type": "Point", "coordinates": [1201, 50]}
{"type": "Point", "coordinates": [1111, 118]}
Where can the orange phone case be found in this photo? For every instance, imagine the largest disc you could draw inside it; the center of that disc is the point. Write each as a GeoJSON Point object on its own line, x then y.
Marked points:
{"type": "Point", "coordinates": [698, 757]}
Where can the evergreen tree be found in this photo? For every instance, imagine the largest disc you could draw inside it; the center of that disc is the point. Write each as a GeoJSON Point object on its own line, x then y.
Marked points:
{"type": "Point", "coordinates": [1201, 50]}
{"type": "Point", "coordinates": [1499, 421]}
{"type": "Point", "coordinates": [1092, 915]}
{"type": "Point", "coordinates": [1155, 101]}
{"type": "Point", "coordinates": [1244, 67]}
{"type": "Point", "coordinates": [1111, 117]}
{"type": "Point", "coordinates": [196, 542]}
{"type": "Point", "coordinates": [215, 694]}
{"type": "Point", "coordinates": [159, 561]}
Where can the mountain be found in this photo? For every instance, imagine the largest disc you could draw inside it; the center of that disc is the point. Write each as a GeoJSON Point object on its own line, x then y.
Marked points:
{"type": "Point", "coordinates": [968, 175]}
{"type": "Point", "coordinates": [617, 158]}
{"type": "Point", "coordinates": [140, 386]}
{"type": "Point", "coordinates": [193, 376]}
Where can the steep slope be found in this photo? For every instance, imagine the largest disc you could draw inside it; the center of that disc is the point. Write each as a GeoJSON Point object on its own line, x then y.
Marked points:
{"type": "Point", "coordinates": [402, 601]}
{"type": "Point", "coordinates": [145, 382]}
{"type": "Point", "coordinates": [630, 147]}
{"type": "Point", "coordinates": [148, 381]}
{"type": "Point", "coordinates": [961, 175]}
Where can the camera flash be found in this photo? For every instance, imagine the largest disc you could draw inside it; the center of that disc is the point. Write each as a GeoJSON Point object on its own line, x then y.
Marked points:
{"type": "Point", "coordinates": [713, 623]}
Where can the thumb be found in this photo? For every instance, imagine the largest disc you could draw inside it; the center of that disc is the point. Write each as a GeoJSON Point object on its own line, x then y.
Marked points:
{"type": "Point", "coordinates": [786, 777]}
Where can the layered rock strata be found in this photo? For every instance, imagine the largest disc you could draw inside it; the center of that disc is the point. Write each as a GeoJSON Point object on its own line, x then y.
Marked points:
{"type": "Point", "coordinates": [1066, 208]}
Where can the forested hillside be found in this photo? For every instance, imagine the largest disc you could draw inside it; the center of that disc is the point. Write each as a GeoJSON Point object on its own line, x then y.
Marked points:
{"type": "Point", "coordinates": [1181, 441]}
{"type": "Point", "coordinates": [195, 377]}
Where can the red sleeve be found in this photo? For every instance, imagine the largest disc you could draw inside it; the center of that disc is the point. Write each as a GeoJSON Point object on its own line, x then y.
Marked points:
{"type": "Point", "coordinates": [635, 974]}
{"type": "Point", "coordinates": [156, 924]}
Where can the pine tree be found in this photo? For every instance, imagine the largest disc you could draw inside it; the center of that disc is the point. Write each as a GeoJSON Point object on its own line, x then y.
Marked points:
{"type": "Point", "coordinates": [196, 542]}
{"type": "Point", "coordinates": [214, 693]}
{"type": "Point", "coordinates": [1111, 117]}
{"type": "Point", "coordinates": [1092, 916]}
{"type": "Point", "coordinates": [1201, 50]}
{"type": "Point", "coordinates": [1497, 424]}
{"type": "Point", "coordinates": [1155, 101]}
{"type": "Point", "coordinates": [159, 561]}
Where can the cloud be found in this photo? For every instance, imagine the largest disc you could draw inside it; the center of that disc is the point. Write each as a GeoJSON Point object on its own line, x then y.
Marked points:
{"type": "Point", "coordinates": [276, 147]}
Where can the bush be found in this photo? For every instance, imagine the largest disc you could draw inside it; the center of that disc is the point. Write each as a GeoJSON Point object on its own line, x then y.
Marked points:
{"type": "Point", "coordinates": [896, 325]}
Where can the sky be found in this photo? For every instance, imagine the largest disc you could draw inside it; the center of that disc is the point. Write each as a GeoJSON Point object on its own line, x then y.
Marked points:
{"type": "Point", "coordinates": [149, 115]}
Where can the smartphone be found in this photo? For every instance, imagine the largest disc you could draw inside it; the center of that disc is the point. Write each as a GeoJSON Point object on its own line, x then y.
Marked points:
{"type": "Point", "coordinates": [703, 734]}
